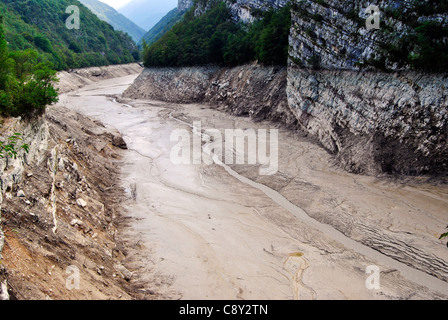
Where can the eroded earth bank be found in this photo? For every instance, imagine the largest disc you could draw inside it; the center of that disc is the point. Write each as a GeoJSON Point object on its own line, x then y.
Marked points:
{"type": "Point", "coordinates": [61, 204]}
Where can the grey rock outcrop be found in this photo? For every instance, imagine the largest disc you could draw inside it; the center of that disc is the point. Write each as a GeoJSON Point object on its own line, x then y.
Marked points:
{"type": "Point", "coordinates": [371, 120]}
{"type": "Point", "coordinates": [184, 5]}
{"type": "Point", "coordinates": [375, 122]}
{"type": "Point", "coordinates": [331, 35]}
{"type": "Point", "coordinates": [241, 10]}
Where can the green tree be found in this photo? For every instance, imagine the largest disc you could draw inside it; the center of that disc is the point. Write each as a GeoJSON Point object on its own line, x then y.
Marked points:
{"type": "Point", "coordinates": [43, 43]}
{"type": "Point", "coordinates": [26, 81]}
{"type": "Point", "coordinates": [444, 235]}
{"type": "Point", "coordinates": [75, 47]}
{"type": "Point", "coordinates": [5, 61]}
{"type": "Point", "coordinates": [272, 44]}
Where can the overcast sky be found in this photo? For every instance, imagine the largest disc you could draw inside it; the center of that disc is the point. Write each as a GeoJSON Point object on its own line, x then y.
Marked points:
{"type": "Point", "coordinates": [116, 3]}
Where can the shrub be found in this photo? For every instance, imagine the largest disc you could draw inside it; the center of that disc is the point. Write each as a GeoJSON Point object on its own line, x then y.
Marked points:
{"type": "Point", "coordinates": [26, 81]}
{"type": "Point", "coordinates": [43, 43]}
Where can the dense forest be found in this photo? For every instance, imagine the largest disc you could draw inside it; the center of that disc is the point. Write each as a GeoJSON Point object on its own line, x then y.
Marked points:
{"type": "Point", "coordinates": [215, 38]}
{"type": "Point", "coordinates": [40, 25]}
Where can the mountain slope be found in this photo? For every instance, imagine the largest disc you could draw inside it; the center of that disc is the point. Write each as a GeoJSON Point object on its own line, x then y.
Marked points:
{"type": "Point", "coordinates": [40, 25]}
{"type": "Point", "coordinates": [114, 18]}
{"type": "Point", "coordinates": [146, 13]}
{"type": "Point", "coordinates": [163, 26]}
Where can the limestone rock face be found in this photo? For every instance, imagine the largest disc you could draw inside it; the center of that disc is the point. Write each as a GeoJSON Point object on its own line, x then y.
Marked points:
{"type": "Point", "coordinates": [184, 5]}
{"type": "Point", "coordinates": [375, 122]}
{"type": "Point", "coordinates": [242, 10]}
{"type": "Point", "coordinates": [371, 120]}
{"type": "Point", "coordinates": [332, 34]}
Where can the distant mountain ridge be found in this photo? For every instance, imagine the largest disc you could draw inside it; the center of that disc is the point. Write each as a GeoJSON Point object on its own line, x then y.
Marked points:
{"type": "Point", "coordinates": [114, 18]}
{"type": "Point", "coordinates": [164, 25]}
{"type": "Point", "coordinates": [146, 13]}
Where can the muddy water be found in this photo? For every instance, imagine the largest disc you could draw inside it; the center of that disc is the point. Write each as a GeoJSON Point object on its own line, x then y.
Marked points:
{"type": "Point", "coordinates": [224, 232]}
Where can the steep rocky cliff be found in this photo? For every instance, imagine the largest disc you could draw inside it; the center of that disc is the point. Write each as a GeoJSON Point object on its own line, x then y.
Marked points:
{"type": "Point", "coordinates": [331, 34]}
{"type": "Point", "coordinates": [184, 5]}
{"type": "Point", "coordinates": [242, 10]}
{"type": "Point", "coordinates": [373, 121]}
